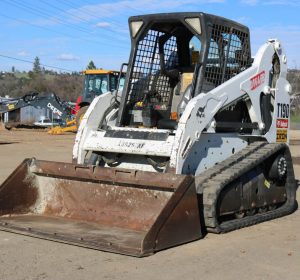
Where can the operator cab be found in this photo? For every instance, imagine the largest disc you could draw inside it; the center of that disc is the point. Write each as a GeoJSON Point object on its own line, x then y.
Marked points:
{"type": "Point", "coordinates": [99, 81]}
{"type": "Point", "coordinates": [174, 57]}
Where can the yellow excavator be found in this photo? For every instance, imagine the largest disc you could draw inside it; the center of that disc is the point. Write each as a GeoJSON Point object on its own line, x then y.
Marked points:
{"type": "Point", "coordinates": [96, 82]}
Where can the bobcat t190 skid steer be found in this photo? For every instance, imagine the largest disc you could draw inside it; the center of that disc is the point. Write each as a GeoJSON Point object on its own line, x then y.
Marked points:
{"type": "Point", "coordinates": [196, 142]}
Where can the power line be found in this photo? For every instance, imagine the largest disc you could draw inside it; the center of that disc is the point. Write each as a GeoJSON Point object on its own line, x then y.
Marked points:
{"type": "Point", "coordinates": [42, 12]}
{"type": "Point", "coordinates": [86, 21]}
{"type": "Point", "coordinates": [67, 3]}
{"type": "Point", "coordinates": [39, 12]}
{"type": "Point", "coordinates": [132, 8]}
{"type": "Point", "coordinates": [122, 3]}
{"type": "Point", "coordinates": [62, 10]}
{"type": "Point", "coordinates": [31, 62]}
{"type": "Point", "coordinates": [45, 28]}
{"type": "Point", "coordinates": [32, 24]}
{"type": "Point", "coordinates": [84, 11]}
{"type": "Point", "coordinates": [59, 32]}
{"type": "Point", "coordinates": [72, 15]}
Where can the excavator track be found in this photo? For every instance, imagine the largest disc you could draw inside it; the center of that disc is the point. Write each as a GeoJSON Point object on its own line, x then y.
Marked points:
{"type": "Point", "coordinates": [219, 177]}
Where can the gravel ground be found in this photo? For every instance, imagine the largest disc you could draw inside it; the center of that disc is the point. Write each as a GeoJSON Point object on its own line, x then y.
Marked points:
{"type": "Point", "coordinates": [270, 250]}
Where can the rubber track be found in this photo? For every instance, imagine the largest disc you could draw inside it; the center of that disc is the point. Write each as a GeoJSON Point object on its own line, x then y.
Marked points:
{"type": "Point", "coordinates": [218, 177]}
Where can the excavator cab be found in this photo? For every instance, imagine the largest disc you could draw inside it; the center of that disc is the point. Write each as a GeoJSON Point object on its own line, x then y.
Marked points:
{"type": "Point", "coordinates": [99, 81]}
{"type": "Point", "coordinates": [177, 56]}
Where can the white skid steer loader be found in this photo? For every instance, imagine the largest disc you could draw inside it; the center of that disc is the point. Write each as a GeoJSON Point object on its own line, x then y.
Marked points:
{"type": "Point", "coordinates": [196, 142]}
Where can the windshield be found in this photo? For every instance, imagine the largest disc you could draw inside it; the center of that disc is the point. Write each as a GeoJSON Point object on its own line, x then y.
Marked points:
{"type": "Point", "coordinates": [121, 84]}
{"type": "Point", "coordinates": [114, 81]}
{"type": "Point", "coordinates": [162, 67]}
{"type": "Point", "coordinates": [96, 84]}
{"type": "Point", "coordinates": [160, 61]}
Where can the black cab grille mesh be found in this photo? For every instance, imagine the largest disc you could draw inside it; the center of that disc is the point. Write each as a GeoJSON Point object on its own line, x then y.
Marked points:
{"type": "Point", "coordinates": [228, 55]}
{"type": "Point", "coordinates": [147, 75]}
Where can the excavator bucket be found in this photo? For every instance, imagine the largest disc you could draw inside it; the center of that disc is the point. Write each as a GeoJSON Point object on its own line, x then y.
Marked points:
{"type": "Point", "coordinates": [123, 211]}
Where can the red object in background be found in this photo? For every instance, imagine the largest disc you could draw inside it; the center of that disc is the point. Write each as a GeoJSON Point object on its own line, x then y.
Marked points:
{"type": "Point", "coordinates": [77, 107]}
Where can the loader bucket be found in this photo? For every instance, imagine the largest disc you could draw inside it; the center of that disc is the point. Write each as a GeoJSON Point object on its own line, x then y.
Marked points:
{"type": "Point", "coordinates": [117, 210]}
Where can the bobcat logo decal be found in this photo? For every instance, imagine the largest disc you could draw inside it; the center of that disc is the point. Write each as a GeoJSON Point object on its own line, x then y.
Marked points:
{"type": "Point", "coordinates": [200, 112]}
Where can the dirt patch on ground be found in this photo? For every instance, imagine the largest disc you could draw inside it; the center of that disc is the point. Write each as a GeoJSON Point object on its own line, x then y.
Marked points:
{"type": "Point", "coordinates": [269, 250]}
{"type": "Point", "coordinates": [2, 126]}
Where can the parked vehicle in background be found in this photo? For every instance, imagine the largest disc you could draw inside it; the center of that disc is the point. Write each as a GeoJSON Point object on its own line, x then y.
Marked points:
{"type": "Point", "coordinates": [18, 111]}
{"type": "Point", "coordinates": [97, 82]}
{"type": "Point", "coordinates": [46, 122]}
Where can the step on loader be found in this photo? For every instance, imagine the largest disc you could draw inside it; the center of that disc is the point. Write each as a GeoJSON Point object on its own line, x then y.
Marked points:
{"type": "Point", "coordinates": [196, 142]}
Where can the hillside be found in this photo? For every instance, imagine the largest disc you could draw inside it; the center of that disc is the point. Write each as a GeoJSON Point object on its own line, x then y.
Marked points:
{"type": "Point", "coordinates": [67, 86]}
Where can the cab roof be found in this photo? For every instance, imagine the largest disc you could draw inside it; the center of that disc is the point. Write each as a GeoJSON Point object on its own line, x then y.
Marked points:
{"type": "Point", "coordinates": [99, 71]}
{"type": "Point", "coordinates": [208, 19]}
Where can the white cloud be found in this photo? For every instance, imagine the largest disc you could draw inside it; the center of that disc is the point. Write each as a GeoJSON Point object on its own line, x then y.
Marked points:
{"type": "Point", "coordinates": [243, 20]}
{"type": "Point", "coordinates": [271, 2]}
{"type": "Point", "coordinates": [23, 53]}
{"type": "Point", "coordinates": [68, 57]}
{"type": "Point", "coordinates": [103, 24]}
{"type": "Point", "coordinates": [50, 21]}
{"type": "Point", "coordinates": [250, 2]}
{"type": "Point", "coordinates": [113, 8]}
{"type": "Point", "coordinates": [282, 2]}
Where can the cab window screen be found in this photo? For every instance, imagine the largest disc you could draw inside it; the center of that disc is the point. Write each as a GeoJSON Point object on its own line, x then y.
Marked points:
{"type": "Point", "coordinates": [228, 55]}
{"type": "Point", "coordinates": [147, 75]}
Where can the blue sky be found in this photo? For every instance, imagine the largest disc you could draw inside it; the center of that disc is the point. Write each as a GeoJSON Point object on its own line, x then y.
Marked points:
{"type": "Point", "coordinates": [69, 33]}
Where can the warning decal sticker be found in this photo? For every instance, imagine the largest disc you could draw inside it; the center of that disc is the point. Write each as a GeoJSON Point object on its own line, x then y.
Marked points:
{"type": "Point", "coordinates": [282, 123]}
{"type": "Point", "coordinates": [281, 135]}
{"type": "Point", "coordinates": [257, 80]}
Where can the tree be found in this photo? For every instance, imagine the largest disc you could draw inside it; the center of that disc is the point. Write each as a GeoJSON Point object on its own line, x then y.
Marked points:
{"type": "Point", "coordinates": [36, 66]}
{"type": "Point", "coordinates": [91, 65]}
{"type": "Point", "coordinates": [13, 69]}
